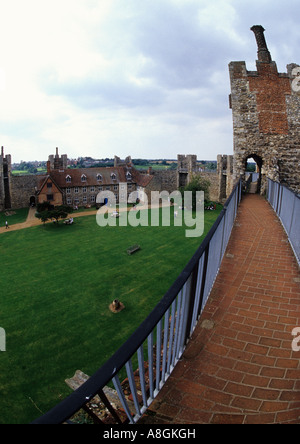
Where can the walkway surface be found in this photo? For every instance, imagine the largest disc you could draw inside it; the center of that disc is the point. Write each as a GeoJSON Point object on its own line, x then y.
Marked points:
{"type": "Point", "coordinates": [239, 366]}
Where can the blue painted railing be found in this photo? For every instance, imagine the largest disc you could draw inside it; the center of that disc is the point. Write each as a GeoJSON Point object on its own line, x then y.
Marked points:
{"type": "Point", "coordinates": [286, 203]}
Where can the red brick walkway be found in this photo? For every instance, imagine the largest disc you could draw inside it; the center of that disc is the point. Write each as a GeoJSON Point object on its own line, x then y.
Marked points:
{"type": "Point", "coordinates": [239, 366]}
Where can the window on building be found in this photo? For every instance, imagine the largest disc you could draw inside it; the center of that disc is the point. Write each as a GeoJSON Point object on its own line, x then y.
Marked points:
{"type": "Point", "coordinates": [50, 197]}
{"type": "Point", "coordinates": [84, 199]}
{"type": "Point", "coordinates": [69, 201]}
{"type": "Point", "coordinates": [49, 184]}
{"type": "Point", "coordinates": [113, 176]}
{"type": "Point", "coordinates": [68, 179]}
{"type": "Point", "coordinates": [76, 190]}
{"type": "Point", "coordinates": [83, 178]}
{"type": "Point", "coordinates": [99, 177]}
{"type": "Point", "coordinates": [84, 189]}
{"type": "Point", "coordinates": [92, 189]}
{"type": "Point", "coordinates": [93, 198]}
{"type": "Point", "coordinates": [68, 190]}
{"type": "Point", "coordinates": [128, 175]}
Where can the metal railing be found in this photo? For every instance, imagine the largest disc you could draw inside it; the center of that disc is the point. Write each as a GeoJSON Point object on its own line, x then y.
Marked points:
{"type": "Point", "coordinates": [286, 203]}
{"type": "Point", "coordinates": [159, 342]}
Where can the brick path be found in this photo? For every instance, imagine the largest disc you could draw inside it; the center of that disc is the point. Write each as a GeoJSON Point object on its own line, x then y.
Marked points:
{"type": "Point", "coordinates": [239, 366]}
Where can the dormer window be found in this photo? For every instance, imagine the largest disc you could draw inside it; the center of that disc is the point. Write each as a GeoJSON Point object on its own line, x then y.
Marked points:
{"type": "Point", "coordinates": [68, 179]}
{"type": "Point", "coordinates": [128, 175]}
{"type": "Point", "coordinates": [83, 178]}
{"type": "Point", "coordinates": [113, 176]}
{"type": "Point", "coordinates": [99, 177]}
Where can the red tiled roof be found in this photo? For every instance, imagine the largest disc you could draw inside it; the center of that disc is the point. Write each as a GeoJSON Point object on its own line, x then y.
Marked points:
{"type": "Point", "coordinates": [59, 176]}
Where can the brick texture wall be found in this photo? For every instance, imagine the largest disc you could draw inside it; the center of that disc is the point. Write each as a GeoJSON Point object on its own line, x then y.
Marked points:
{"type": "Point", "coordinates": [266, 123]}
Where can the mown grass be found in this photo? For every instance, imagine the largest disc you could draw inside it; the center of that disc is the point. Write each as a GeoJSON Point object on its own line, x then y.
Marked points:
{"type": "Point", "coordinates": [13, 216]}
{"type": "Point", "coordinates": [56, 285]}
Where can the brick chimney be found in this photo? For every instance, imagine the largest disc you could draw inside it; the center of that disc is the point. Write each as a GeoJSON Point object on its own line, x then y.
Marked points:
{"type": "Point", "coordinates": [262, 49]}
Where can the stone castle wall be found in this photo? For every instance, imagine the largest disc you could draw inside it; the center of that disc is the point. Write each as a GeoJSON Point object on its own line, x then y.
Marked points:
{"type": "Point", "coordinates": [167, 180]}
{"type": "Point", "coordinates": [22, 188]}
{"type": "Point", "coordinates": [214, 189]}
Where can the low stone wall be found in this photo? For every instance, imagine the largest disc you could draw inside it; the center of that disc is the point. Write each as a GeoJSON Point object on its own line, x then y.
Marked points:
{"type": "Point", "coordinates": [214, 189]}
{"type": "Point", "coordinates": [167, 181]}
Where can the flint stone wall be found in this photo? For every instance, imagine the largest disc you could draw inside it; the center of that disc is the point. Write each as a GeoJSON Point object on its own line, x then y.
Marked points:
{"type": "Point", "coordinates": [266, 122]}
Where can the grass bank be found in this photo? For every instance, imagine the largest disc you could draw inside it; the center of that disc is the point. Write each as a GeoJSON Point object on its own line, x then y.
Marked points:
{"type": "Point", "coordinates": [56, 285]}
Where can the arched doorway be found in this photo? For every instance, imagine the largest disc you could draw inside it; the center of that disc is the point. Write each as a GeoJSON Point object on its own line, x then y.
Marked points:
{"type": "Point", "coordinates": [253, 173]}
{"type": "Point", "coordinates": [32, 201]}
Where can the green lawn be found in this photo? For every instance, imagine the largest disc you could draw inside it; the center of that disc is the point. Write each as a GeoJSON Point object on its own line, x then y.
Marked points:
{"type": "Point", "coordinates": [13, 216]}
{"type": "Point", "coordinates": [56, 285]}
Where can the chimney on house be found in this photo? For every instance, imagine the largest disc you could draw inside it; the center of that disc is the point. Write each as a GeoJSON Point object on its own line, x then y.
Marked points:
{"type": "Point", "coordinates": [262, 49]}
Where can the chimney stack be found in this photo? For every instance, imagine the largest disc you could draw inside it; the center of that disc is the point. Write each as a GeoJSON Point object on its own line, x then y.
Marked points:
{"type": "Point", "coordinates": [262, 51]}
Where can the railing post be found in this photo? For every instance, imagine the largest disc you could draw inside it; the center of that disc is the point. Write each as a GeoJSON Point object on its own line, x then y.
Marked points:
{"type": "Point", "coordinates": [184, 315]}
{"type": "Point", "coordinates": [192, 291]}
{"type": "Point", "coordinates": [204, 273]}
{"type": "Point", "coordinates": [278, 207]}
{"type": "Point", "coordinates": [292, 215]}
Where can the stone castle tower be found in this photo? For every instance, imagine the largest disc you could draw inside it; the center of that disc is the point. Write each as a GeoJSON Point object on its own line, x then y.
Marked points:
{"type": "Point", "coordinates": [57, 162]}
{"type": "Point", "coordinates": [5, 177]}
{"type": "Point", "coordinates": [266, 117]}
{"type": "Point", "coordinates": [187, 165]}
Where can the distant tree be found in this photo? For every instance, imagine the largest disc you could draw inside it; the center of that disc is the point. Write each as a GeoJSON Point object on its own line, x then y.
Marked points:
{"type": "Point", "coordinates": [32, 170]}
{"type": "Point", "coordinates": [43, 216]}
{"type": "Point", "coordinates": [44, 206]}
{"type": "Point", "coordinates": [251, 167]}
{"type": "Point", "coordinates": [22, 165]}
{"type": "Point", "coordinates": [211, 165]}
{"type": "Point", "coordinates": [46, 211]}
{"type": "Point", "coordinates": [60, 212]}
{"type": "Point", "coordinates": [197, 183]}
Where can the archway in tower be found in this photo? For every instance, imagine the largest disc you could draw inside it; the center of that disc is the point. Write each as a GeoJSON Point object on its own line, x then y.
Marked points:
{"type": "Point", "coordinates": [32, 201]}
{"type": "Point", "coordinates": [253, 172]}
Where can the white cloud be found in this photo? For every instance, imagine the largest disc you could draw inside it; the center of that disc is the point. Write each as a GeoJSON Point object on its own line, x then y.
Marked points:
{"type": "Point", "coordinates": [147, 78]}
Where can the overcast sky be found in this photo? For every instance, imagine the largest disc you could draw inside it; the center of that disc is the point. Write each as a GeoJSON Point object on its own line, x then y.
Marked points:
{"type": "Point", "coordinates": [146, 78]}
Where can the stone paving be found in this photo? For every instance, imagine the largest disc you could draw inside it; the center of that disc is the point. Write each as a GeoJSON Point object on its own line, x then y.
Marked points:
{"type": "Point", "coordinates": [239, 366]}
